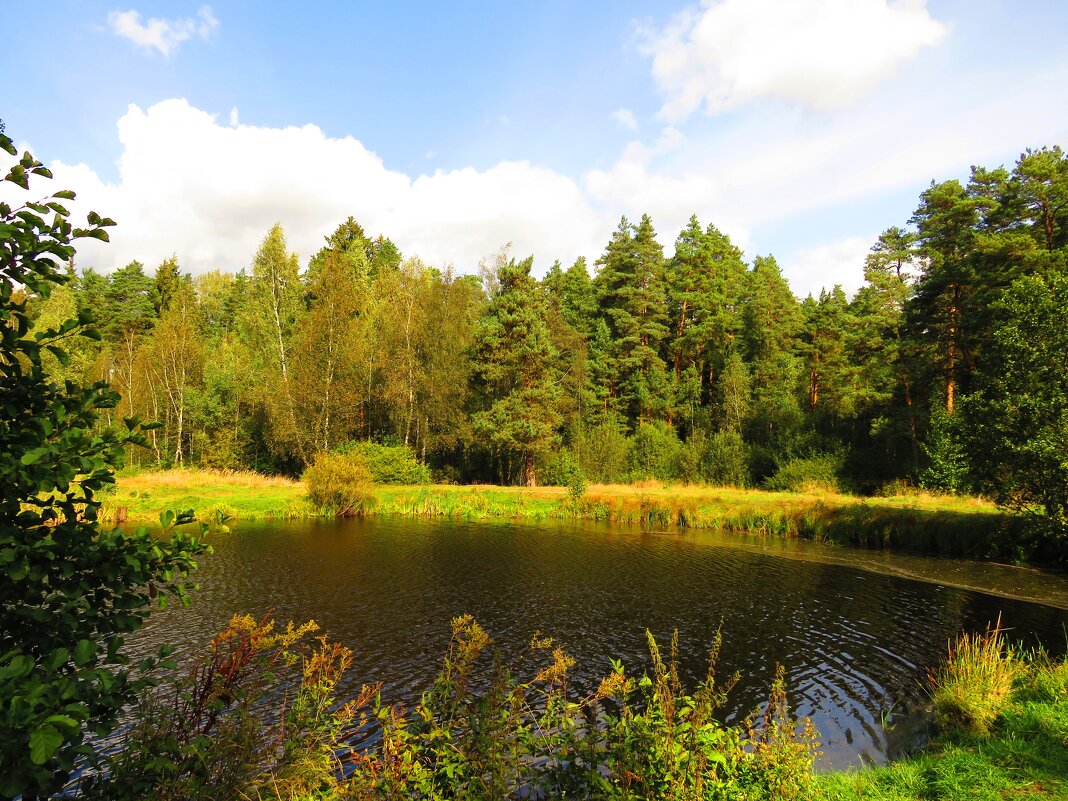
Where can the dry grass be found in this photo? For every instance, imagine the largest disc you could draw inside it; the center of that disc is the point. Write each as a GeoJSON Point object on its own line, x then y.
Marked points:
{"type": "Point", "coordinates": [181, 478]}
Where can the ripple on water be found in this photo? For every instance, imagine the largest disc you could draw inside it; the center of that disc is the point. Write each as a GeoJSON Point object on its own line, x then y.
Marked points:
{"type": "Point", "coordinates": [854, 642]}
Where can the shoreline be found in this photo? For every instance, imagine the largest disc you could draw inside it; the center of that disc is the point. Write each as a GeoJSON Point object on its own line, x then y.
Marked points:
{"type": "Point", "coordinates": [936, 525]}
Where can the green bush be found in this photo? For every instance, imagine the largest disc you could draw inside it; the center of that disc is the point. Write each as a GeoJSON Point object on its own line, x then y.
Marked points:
{"type": "Point", "coordinates": [389, 464]}
{"type": "Point", "coordinates": [601, 453]}
{"type": "Point", "coordinates": [725, 461]}
{"type": "Point", "coordinates": [559, 469]}
{"type": "Point", "coordinates": [818, 473]}
{"type": "Point", "coordinates": [655, 452]}
{"type": "Point", "coordinates": [340, 482]}
{"type": "Point", "coordinates": [947, 463]}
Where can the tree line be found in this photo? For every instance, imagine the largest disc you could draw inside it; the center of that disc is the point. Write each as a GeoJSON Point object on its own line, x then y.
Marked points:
{"type": "Point", "coordinates": [700, 366]}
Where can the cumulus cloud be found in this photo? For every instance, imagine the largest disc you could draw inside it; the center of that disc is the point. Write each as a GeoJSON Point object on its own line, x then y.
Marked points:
{"type": "Point", "coordinates": [840, 262]}
{"type": "Point", "coordinates": [819, 53]}
{"type": "Point", "coordinates": [625, 118]}
{"type": "Point", "coordinates": [208, 191]}
{"type": "Point", "coordinates": [162, 35]}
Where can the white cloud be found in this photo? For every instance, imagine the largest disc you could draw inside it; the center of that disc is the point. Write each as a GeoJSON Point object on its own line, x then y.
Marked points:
{"type": "Point", "coordinates": [209, 192]}
{"type": "Point", "coordinates": [625, 118]}
{"type": "Point", "coordinates": [164, 35]}
{"type": "Point", "coordinates": [819, 53]}
{"type": "Point", "coordinates": [821, 267]}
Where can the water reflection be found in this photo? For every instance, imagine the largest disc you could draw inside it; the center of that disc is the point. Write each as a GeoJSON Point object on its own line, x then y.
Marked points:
{"type": "Point", "coordinates": [854, 642]}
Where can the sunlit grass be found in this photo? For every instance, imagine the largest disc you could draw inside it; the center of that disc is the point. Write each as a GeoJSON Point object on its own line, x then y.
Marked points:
{"type": "Point", "coordinates": [973, 685]}
{"type": "Point", "coordinates": [1024, 754]}
{"type": "Point", "coordinates": [949, 525]}
{"type": "Point", "coordinates": [239, 494]}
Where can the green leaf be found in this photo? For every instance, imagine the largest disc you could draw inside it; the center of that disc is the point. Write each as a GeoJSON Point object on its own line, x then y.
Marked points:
{"type": "Point", "coordinates": [84, 651]}
{"type": "Point", "coordinates": [44, 742]}
{"type": "Point", "coordinates": [34, 456]}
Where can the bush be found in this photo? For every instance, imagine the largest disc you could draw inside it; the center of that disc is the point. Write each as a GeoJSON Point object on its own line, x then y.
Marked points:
{"type": "Point", "coordinates": [808, 474]}
{"type": "Point", "coordinates": [389, 464]}
{"type": "Point", "coordinates": [340, 482]}
{"type": "Point", "coordinates": [947, 463]}
{"type": "Point", "coordinates": [655, 452]}
{"type": "Point", "coordinates": [559, 469]}
{"type": "Point", "coordinates": [69, 590]}
{"type": "Point", "coordinates": [203, 736]}
{"type": "Point", "coordinates": [601, 453]}
{"type": "Point", "coordinates": [725, 461]}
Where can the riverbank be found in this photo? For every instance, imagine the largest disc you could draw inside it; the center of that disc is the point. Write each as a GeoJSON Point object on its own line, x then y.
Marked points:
{"type": "Point", "coordinates": [923, 523]}
{"type": "Point", "coordinates": [1023, 755]}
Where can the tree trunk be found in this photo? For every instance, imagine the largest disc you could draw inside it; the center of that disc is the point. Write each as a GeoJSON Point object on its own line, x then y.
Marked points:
{"type": "Point", "coordinates": [529, 476]}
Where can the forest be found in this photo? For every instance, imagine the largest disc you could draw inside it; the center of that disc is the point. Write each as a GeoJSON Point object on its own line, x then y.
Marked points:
{"type": "Point", "coordinates": [946, 370]}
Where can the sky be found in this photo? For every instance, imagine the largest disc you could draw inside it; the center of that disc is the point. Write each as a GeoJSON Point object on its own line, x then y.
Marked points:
{"type": "Point", "coordinates": [801, 128]}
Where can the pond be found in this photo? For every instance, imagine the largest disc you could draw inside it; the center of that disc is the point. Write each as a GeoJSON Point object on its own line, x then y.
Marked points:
{"type": "Point", "coordinates": [857, 631]}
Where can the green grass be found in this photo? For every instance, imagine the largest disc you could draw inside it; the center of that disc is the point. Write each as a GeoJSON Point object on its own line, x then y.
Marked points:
{"type": "Point", "coordinates": [1024, 754]}
{"type": "Point", "coordinates": [241, 495]}
{"type": "Point", "coordinates": [922, 523]}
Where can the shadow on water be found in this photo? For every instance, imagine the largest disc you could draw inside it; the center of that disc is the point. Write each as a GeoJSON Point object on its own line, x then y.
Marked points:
{"type": "Point", "coordinates": [856, 630]}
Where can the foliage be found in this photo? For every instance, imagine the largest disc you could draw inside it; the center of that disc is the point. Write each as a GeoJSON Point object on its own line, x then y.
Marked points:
{"type": "Point", "coordinates": [655, 452]}
{"type": "Point", "coordinates": [602, 452]}
{"type": "Point", "coordinates": [389, 464]}
{"type": "Point", "coordinates": [1017, 425]}
{"type": "Point", "coordinates": [819, 473]}
{"type": "Point", "coordinates": [948, 469]}
{"type": "Point", "coordinates": [975, 682]}
{"type": "Point", "coordinates": [725, 461]}
{"type": "Point", "coordinates": [69, 590]}
{"type": "Point", "coordinates": [340, 482]}
{"type": "Point", "coordinates": [255, 716]}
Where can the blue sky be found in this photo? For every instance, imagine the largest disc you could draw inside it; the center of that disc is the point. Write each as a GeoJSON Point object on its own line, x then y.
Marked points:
{"type": "Point", "coordinates": [800, 127]}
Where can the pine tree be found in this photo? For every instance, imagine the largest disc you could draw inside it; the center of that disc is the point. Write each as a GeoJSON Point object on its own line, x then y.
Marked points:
{"type": "Point", "coordinates": [633, 299]}
{"type": "Point", "coordinates": [515, 370]}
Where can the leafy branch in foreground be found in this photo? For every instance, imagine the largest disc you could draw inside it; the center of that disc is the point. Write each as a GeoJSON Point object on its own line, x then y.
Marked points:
{"type": "Point", "coordinates": [68, 590]}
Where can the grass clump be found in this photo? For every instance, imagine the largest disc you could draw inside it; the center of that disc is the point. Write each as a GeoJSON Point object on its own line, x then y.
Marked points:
{"type": "Point", "coordinates": [975, 682]}
{"type": "Point", "coordinates": [1022, 752]}
{"type": "Point", "coordinates": [340, 482]}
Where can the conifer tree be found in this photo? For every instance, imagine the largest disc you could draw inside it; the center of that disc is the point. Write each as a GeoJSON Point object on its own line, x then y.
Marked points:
{"type": "Point", "coordinates": [515, 360]}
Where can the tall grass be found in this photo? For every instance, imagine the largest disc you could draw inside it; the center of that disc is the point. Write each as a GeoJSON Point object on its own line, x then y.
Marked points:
{"type": "Point", "coordinates": [973, 685]}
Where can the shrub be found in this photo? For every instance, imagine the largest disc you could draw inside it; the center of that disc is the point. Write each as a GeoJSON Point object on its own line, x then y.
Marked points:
{"type": "Point", "coordinates": [389, 464]}
{"type": "Point", "coordinates": [975, 682]}
{"type": "Point", "coordinates": [808, 474]}
{"type": "Point", "coordinates": [559, 469]}
{"type": "Point", "coordinates": [601, 453]}
{"type": "Point", "coordinates": [725, 461]}
{"type": "Point", "coordinates": [655, 452]}
{"type": "Point", "coordinates": [947, 463]}
{"type": "Point", "coordinates": [69, 590]}
{"type": "Point", "coordinates": [339, 482]}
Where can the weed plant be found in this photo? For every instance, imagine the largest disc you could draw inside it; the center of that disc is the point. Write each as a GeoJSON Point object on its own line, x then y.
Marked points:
{"type": "Point", "coordinates": [257, 717]}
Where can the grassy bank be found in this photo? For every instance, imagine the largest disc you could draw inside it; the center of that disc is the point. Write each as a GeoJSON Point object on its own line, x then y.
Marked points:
{"type": "Point", "coordinates": [951, 526]}
{"type": "Point", "coordinates": [241, 495]}
{"type": "Point", "coordinates": [1005, 719]}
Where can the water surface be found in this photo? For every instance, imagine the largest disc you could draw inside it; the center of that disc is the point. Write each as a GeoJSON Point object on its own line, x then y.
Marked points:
{"type": "Point", "coordinates": [856, 631]}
